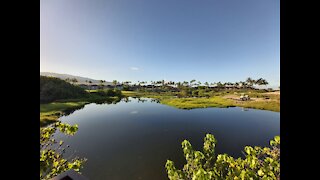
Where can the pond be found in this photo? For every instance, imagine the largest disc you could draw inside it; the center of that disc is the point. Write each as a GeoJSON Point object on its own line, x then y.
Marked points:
{"type": "Point", "coordinates": [132, 139]}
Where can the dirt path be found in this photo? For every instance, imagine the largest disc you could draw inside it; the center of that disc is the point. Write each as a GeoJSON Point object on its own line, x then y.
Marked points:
{"type": "Point", "coordinates": [272, 93]}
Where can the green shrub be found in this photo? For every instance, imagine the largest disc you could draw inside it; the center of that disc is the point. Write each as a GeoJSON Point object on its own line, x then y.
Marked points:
{"type": "Point", "coordinates": [52, 162]}
{"type": "Point", "coordinates": [113, 92]}
{"type": "Point", "coordinates": [195, 93]}
{"type": "Point", "coordinates": [126, 88]}
{"type": "Point", "coordinates": [185, 93]}
{"type": "Point", "coordinates": [201, 93]}
{"type": "Point", "coordinates": [52, 89]}
{"type": "Point", "coordinates": [117, 92]}
{"type": "Point", "coordinates": [259, 163]}
{"type": "Point", "coordinates": [101, 92]}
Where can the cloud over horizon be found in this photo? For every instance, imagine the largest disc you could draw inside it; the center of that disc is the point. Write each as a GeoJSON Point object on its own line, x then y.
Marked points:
{"type": "Point", "coordinates": [134, 68]}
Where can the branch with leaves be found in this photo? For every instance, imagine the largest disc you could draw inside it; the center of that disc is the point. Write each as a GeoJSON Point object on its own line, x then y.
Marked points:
{"type": "Point", "coordinates": [259, 163]}
{"type": "Point", "coordinates": [52, 162]}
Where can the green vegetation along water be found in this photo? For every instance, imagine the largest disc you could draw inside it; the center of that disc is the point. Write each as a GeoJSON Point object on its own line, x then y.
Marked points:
{"type": "Point", "coordinates": [259, 100]}
{"type": "Point", "coordinates": [61, 99]}
{"type": "Point", "coordinates": [58, 98]}
{"type": "Point", "coordinates": [134, 138]}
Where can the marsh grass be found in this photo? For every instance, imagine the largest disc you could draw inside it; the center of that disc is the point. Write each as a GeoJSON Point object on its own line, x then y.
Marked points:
{"type": "Point", "coordinates": [192, 103]}
{"type": "Point", "coordinates": [51, 112]}
{"type": "Point", "coordinates": [269, 101]}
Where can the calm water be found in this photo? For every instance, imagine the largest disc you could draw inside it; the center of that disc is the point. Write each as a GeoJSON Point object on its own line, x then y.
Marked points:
{"type": "Point", "coordinates": [133, 140]}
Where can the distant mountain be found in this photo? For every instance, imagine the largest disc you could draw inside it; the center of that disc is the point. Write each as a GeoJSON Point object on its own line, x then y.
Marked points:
{"type": "Point", "coordinates": [81, 80]}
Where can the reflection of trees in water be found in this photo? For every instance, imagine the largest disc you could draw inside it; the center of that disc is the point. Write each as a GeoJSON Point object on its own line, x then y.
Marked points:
{"type": "Point", "coordinates": [108, 101]}
{"type": "Point", "coordinates": [76, 108]}
{"type": "Point", "coordinates": [66, 112]}
{"type": "Point", "coordinates": [105, 101]}
{"type": "Point", "coordinates": [126, 99]}
{"type": "Point", "coordinates": [155, 100]}
{"type": "Point", "coordinates": [72, 110]}
{"type": "Point", "coordinates": [244, 109]}
{"type": "Point", "coordinates": [141, 100]}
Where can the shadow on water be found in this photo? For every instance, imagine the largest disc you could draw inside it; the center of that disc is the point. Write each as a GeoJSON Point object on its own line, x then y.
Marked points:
{"type": "Point", "coordinates": [66, 112]}
{"type": "Point", "coordinates": [71, 110]}
{"type": "Point", "coordinates": [107, 101]}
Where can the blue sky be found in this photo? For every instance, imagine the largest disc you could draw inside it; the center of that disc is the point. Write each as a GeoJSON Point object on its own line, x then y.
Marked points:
{"type": "Point", "coordinates": [206, 40]}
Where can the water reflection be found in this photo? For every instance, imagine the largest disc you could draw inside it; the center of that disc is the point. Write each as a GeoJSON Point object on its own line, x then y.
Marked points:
{"type": "Point", "coordinates": [72, 110]}
{"type": "Point", "coordinates": [155, 100]}
{"type": "Point", "coordinates": [140, 100]}
{"type": "Point", "coordinates": [107, 101]}
{"type": "Point", "coordinates": [137, 135]}
{"type": "Point", "coordinates": [244, 109]}
{"type": "Point", "coordinates": [126, 99]}
{"type": "Point", "coordinates": [134, 112]}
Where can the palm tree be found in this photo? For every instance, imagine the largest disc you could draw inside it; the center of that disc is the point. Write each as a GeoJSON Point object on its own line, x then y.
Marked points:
{"type": "Point", "coordinates": [192, 81]}
{"type": "Point", "coordinates": [127, 82]}
{"type": "Point", "coordinates": [250, 81]}
{"type": "Point", "coordinates": [262, 81]}
{"type": "Point", "coordinates": [142, 83]}
{"type": "Point", "coordinates": [101, 83]}
{"type": "Point", "coordinates": [89, 85]}
{"type": "Point", "coordinates": [114, 82]}
{"type": "Point", "coordinates": [243, 84]}
{"type": "Point", "coordinates": [153, 83]}
{"type": "Point", "coordinates": [171, 83]}
{"type": "Point", "coordinates": [185, 83]}
{"type": "Point", "coordinates": [68, 80]}
{"type": "Point", "coordinates": [207, 85]}
{"type": "Point", "coordinates": [236, 84]}
{"type": "Point", "coordinates": [178, 85]}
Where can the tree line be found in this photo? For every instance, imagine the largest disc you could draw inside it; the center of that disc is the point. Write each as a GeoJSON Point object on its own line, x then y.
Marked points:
{"type": "Point", "coordinates": [248, 83]}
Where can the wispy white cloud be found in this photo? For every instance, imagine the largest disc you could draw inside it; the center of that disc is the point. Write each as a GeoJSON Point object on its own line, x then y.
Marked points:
{"type": "Point", "coordinates": [134, 68]}
{"type": "Point", "coordinates": [134, 112]}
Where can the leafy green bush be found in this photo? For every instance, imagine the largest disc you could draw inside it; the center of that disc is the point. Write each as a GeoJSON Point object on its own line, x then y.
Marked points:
{"type": "Point", "coordinates": [52, 89]}
{"type": "Point", "coordinates": [184, 93]}
{"type": "Point", "coordinates": [195, 93]}
{"type": "Point", "coordinates": [259, 163]}
{"type": "Point", "coordinates": [117, 92]}
{"type": "Point", "coordinates": [101, 92]}
{"type": "Point", "coordinates": [113, 92]}
{"type": "Point", "coordinates": [52, 162]}
{"type": "Point", "coordinates": [201, 93]}
{"type": "Point", "coordinates": [126, 88]}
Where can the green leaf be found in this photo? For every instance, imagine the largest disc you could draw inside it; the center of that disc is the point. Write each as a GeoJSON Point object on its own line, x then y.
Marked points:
{"type": "Point", "coordinates": [259, 163]}
{"type": "Point", "coordinates": [260, 172]}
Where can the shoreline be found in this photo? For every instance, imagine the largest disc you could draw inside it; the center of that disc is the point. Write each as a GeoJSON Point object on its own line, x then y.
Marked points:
{"type": "Point", "coordinates": [51, 112]}
{"type": "Point", "coordinates": [220, 101]}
